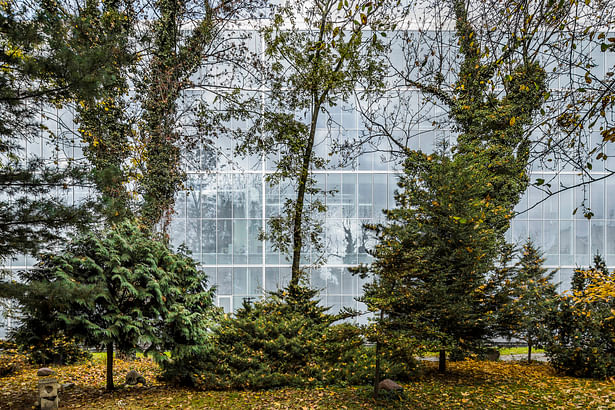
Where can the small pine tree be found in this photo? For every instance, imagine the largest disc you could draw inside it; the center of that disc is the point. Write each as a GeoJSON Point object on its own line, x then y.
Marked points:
{"type": "Point", "coordinates": [434, 255]}
{"type": "Point", "coordinates": [269, 343]}
{"type": "Point", "coordinates": [285, 339]}
{"type": "Point", "coordinates": [535, 294]}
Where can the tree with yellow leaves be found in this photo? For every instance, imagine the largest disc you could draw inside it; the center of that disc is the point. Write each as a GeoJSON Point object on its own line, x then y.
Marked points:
{"type": "Point", "coordinates": [581, 328]}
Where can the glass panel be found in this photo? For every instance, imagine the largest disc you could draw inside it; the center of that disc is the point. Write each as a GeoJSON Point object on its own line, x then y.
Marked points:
{"type": "Point", "coordinates": [224, 282]}
{"type": "Point", "coordinates": [380, 195]}
{"type": "Point", "coordinates": [535, 233]}
{"type": "Point", "coordinates": [566, 200]}
{"type": "Point", "coordinates": [272, 196]}
{"type": "Point", "coordinates": [240, 241]}
{"type": "Point", "coordinates": [239, 197]}
{"type": "Point", "coordinates": [180, 205]}
{"type": "Point", "coordinates": [366, 160]}
{"type": "Point", "coordinates": [225, 304]}
{"type": "Point", "coordinates": [349, 191]}
{"type": "Point", "coordinates": [349, 302]}
{"type": "Point", "coordinates": [534, 197]}
{"type": "Point", "coordinates": [566, 241]}
{"type": "Point", "coordinates": [255, 246]}
{"type": "Point", "coordinates": [240, 281]}
{"type": "Point", "coordinates": [334, 282]}
{"type": "Point", "coordinates": [178, 231]}
{"type": "Point", "coordinates": [597, 199]}
{"type": "Point", "coordinates": [255, 281]}
{"type": "Point", "coordinates": [551, 242]}
{"type": "Point", "coordinates": [225, 200]}
{"type": "Point", "coordinates": [393, 178]}
{"type": "Point", "coordinates": [349, 283]}
{"type": "Point", "coordinates": [271, 278]}
{"type": "Point", "coordinates": [255, 197]}
{"type": "Point", "coordinates": [520, 231]}
{"type": "Point", "coordinates": [610, 242]}
{"type": "Point", "coordinates": [319, 278]}
{"type": "Point", "coordinates": [610, 196]}
{"type": "Point", "coordinates": [351, 234]}
{"type": "Point", "coordinates": [193, 237]}
{"type": "Point", "coordinates": [285, 276]}
{"type": "Point", "coordinates": [225, 240]}
{"type": "Point", "coordinates": [193, 198]}
{"type": "Point", "coordinates": [365, 195]}
{"type": "Point", "coordinates": [597, 231]}
{"type": "Point", "coordinates": [550, 206]}
{"type": "Point", "coordinates": [581, 251]}
{"type": "Point", "coordinates": [364, 242]}
{"type": "Point", "coordinates": [335, 302]}
{"type": "Point", "coordinates": [335, 241]}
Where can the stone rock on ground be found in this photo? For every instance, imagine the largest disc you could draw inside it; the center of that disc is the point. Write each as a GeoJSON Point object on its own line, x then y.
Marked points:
{"type": "Point", "coordinates": [45, 371]}
{"type": "Point", "coordinates": [133, 378]}
{"type": "Point", "coordinates": [389, 385]}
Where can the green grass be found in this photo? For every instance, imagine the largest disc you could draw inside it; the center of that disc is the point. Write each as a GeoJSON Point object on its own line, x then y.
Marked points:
{"type": "Point", "coordinates": [102, 356]}
{"type": "Point", "coordinates": [503, 351]}
{"type": "Point", "coordinates": [518, 350]}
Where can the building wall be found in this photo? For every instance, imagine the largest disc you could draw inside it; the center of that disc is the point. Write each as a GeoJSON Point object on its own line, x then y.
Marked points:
{"type": "Point", "coordinates": [228, 202]}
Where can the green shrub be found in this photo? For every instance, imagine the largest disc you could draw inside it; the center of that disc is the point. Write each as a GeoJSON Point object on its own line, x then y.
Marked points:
{"type": "Point", "coordinates": [285, 339]}
{"type": "Point", "coordinates": [580, 330]}
{"type": "Point", "coordinates": [271, 343]}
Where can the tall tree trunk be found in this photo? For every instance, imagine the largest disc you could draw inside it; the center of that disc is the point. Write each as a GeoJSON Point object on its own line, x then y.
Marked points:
{"type": "Point", "coordinates": [377, 370]}
{"type": "Point", "coordinates": [442, 361]}
{"type": "Point", "coordinates": [297, 219]}
{"type": "Point", "coordinates": [529, 351]}
{"type": "Point", "coordinates": [110, 366]}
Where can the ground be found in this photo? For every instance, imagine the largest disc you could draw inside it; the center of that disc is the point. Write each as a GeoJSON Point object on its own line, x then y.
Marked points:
{"type": "Point", "coordinates": [468, 384]}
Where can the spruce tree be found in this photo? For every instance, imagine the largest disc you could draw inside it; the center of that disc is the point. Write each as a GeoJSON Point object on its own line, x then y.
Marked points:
{"type": "Point", "coordinates": [48, 56]}
{"type": "Point", "coordinates": [535, 294]}
{"type": "Point", "coordinates": [433, 255]}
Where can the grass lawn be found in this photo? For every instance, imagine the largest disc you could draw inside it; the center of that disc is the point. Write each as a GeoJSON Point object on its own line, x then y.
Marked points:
{"type": "Point", "coordinates": [503, 351]}
{"type": "Point", "coordinates": [478, 385]}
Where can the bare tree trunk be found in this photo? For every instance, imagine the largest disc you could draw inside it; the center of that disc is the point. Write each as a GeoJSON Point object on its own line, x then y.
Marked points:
{"type": "Point", "coordinates": [442, 361]}
{"type": "Point", "coordinates": [298, 217]}
{"type": "Point", "coordinates": [529, 351]}
{"type": "Point", "coordinates": [377, 371]}
{"type": "Point", "coordinates": [110, 366]}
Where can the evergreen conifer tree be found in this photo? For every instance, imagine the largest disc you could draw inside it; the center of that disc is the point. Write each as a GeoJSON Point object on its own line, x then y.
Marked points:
{"type": "Point", "coordinates": [47, 56]}
{"type": "Point", "coordinates": [124, 290]}
{"type": "Point", "coordinates": [535, 294]}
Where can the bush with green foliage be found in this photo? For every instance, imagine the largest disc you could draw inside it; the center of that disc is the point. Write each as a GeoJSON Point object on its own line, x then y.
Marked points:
{"type": "Point", "coordinates": [285, 339]}
{"type": "Point", "coordinates": [580, 330]}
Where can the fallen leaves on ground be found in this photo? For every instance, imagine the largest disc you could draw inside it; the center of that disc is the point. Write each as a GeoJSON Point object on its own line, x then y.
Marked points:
{"type": "Point", "coordinates": [466, 385]}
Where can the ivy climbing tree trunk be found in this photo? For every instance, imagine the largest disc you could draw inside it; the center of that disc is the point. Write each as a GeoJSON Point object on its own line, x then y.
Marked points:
{"type": "Point", "coordinates": [436, 251]}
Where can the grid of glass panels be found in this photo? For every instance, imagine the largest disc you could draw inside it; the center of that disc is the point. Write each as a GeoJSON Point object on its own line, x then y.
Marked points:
{"type": "Point", "coordinates": [220, 217]}
{"type": "Point", "coordinates": [228, 202]}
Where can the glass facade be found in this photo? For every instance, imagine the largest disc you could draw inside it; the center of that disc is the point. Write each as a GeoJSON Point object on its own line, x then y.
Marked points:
{"type": "Point", "coordinates": [227, 203]}
{"type": "Point", "coordinates": [220, 215]}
